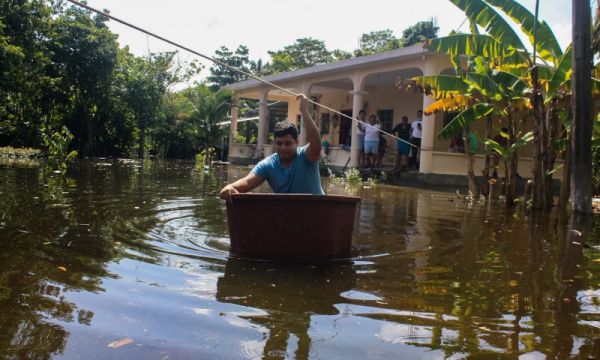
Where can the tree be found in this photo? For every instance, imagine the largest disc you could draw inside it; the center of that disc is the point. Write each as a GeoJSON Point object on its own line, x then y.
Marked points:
{"type": "Point", "coordinates": [208, 110]}
{"type": "Point", "coordinates": [377, 41]}
{"type": "Point", "coordinates": [173, 134]}
{"type": "Point", "coordinates": [147, 82]}
{"type": "Point", "coordinates": [419, 32]}
{"type": "Point", "coordinates": [498, 69]}
{"type": "Point", "coordinates": [84, 57]}
{"type": "Point", "coordinates": [25, 27]}
{"type": "Point", "coordinates": [221, 75]}
{"type": "Point", "coordinates": [303, 53]}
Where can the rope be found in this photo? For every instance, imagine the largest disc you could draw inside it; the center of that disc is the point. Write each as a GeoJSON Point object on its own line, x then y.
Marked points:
{"type": "Point", "coordinates": [219, 62]}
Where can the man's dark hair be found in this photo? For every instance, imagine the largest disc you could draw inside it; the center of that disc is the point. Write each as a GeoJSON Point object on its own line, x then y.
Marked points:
{"type": "Point", "coordinates": [361, 112]}
{"type": "Point", "coordinates": [284, 128]}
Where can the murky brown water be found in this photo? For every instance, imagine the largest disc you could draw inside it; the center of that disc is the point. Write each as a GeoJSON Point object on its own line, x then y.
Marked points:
{"type": "Point", "coordinates": [120, 250]}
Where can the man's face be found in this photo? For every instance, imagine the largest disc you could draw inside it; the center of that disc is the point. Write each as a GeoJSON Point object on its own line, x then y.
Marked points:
{"type": "Point", "coordinates": [285, 147]}
{"type": "Point", "coordinates": [419, 114]}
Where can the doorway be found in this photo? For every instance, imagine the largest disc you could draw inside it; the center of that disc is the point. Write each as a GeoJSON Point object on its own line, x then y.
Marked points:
{"type": "Point", "coordinates": [345, 128]}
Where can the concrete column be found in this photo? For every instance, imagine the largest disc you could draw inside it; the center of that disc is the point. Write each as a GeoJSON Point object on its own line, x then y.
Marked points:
{"type": "Point", "coordinates": [304, 89]}
{"type": "Point", "coordinates": [357, 102]}
{"type": "Point", "coordinates": [292, 111]}
{"type": "Point", "coordinates": [263, 122]}
{"type": "Point", "coordinates": [235, 101]}
{"type": "Point", "coordinates": [427, 138]}
{"type": "Point", "coordinates": [428, 133]}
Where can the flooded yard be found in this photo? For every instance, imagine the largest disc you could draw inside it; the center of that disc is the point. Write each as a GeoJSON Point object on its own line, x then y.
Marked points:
{"type": "Point", "coordinates": [125, 260]}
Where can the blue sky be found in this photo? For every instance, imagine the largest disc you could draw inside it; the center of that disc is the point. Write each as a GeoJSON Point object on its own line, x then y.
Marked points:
{"type": "Point", "coordinates": [264, 25]}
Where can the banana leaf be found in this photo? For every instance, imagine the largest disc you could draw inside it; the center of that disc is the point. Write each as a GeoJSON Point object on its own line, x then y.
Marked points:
{"type": "Point", "coordinates": [495, 25]}
{"type": "Point", "coordinates": [477, 45]}
{"type": "Point", "coordinates": [448, 104]}
{"type": "Point", "coordinates": [442, 86]}
{"type": "Point", "coordinates": [485, 85]}
{"type": "Point", "coordinates": [562, 74]}
{"type": "Point", "coordinates": [547, 45]}
{"type": "Point", "coordinates": [514, 85]}
{"type": "Point", "coordinates": [466, 118]}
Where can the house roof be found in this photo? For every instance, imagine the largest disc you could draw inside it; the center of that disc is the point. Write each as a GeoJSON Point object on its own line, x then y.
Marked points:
{"type": "Point", "coordinates": [342, 65]}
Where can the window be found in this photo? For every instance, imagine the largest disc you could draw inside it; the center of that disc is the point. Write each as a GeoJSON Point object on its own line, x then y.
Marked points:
{"type": "Point", "coordinates": [324, 123]}
{"type": "Point", "coordinates": [387, 119]}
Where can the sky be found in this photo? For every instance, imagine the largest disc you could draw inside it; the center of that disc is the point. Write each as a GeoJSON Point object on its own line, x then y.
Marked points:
{"type": "Point", "coordinates": [265, 25]}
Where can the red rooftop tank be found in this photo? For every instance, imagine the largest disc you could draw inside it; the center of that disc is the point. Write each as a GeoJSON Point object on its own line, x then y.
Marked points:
{"type": "Point", "coordinates": [291, 226]}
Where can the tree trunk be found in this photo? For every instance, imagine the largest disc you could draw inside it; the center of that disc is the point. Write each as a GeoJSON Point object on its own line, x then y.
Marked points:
{"type": "Point", "coordinates": [248, 133]}
{"type": "Point", "coordinates": [539, 137]}
{"type": "Point", "coordinates": [91, 146]}
{"type": "Point", "coordinates": [469, 156]}
{"type": "Point", "coordinates": [511, 177]}
{"type": "Point", "coordinates": [142, 142]}
{"type": "Point", "coordinates": [565, 182]}
{"type": "Point", "coordinates": [485, 182]}
{"type": "Point", "coordinates": [581, 83]}
{"type": "Point", "coordinates": [89, 127]}
{"type": "Point", "coordinates": [550, 156]}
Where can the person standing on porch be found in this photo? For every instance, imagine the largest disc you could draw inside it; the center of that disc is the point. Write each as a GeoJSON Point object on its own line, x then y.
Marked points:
{"type": "Point", "coordinates": [402, 130]}
{"type": "Point", "coordinates": [416, 128]}
{"type": "Point", "coordinates": [290, 169]}
{"type": "Point", "coordinates": [372, 140]}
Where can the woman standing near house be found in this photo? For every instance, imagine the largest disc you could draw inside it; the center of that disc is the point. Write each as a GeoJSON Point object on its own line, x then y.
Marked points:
{"type": "Point", "coordinates": [372, 140]}
{"type": "Point", "coordinates": [402, 130]}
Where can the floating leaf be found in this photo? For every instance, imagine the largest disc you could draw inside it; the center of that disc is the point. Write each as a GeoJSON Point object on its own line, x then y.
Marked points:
{"type": "Point", "coordinates": [119, 343]}
{"type": "Point", "coordinates": [62, 268]}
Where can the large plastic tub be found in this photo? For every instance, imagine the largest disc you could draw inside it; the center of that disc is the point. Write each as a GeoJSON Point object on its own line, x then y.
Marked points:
{"type": "Point", "coordinates": [291, 226]}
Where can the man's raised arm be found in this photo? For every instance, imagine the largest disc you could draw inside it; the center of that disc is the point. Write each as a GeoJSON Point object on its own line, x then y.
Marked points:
{"type": "Point", "coordinates": [313, 151]}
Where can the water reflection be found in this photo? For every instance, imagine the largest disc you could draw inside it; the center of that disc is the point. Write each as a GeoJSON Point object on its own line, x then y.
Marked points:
{"type": "Point", "coordinates": [124, 249]}
{"type": "Point", "coordinates": [289, 295]}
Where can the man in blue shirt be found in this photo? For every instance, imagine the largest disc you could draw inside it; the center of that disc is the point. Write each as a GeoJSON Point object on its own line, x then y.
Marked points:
{"type": "Point", "coordinates": [290, 169]}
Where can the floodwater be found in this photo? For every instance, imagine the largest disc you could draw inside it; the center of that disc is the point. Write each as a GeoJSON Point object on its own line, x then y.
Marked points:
{"type": "Point", "coordinates": [123, 260]}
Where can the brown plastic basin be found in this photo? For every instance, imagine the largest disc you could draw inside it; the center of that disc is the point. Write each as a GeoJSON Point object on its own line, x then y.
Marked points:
{"type": "Point", "coordinates": [291, 226]}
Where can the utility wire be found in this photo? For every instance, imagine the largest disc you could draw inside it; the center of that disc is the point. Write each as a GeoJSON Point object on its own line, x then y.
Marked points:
{"type": "Point", "coordinates": [219, 62]}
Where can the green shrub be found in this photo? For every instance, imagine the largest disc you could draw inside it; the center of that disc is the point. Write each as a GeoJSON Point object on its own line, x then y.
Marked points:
{"type": "Point", "coordinates": [57, 146]}
{"type": "Point", "coordinates": [353, 176]}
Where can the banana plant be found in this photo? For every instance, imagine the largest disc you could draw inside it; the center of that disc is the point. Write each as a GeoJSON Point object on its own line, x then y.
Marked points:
{"type": "Point", "coordinates": [498, 79]}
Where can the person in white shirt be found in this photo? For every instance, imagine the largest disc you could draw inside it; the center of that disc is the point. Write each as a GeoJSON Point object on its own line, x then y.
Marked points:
{"type": "Point", "coordinates": [416, 128]}
{"type": "Point", "coordinates": [372, 140]}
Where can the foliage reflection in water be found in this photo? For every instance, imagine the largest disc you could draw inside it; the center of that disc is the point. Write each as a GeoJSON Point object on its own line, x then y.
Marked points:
{"type": "Point", "coordinates": [123, 250]}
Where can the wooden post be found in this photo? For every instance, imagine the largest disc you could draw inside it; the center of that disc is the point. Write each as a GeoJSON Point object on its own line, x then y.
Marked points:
{"type": "Point", "coordinates": [581, 171]}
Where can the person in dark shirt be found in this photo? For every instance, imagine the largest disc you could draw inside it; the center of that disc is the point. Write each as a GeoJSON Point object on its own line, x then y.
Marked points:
{"type": "Point", "coordinates": [402, 130]}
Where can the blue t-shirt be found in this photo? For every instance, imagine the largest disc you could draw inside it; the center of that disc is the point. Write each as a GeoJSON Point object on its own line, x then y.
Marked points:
{"type": "Point", "coordinates": [301, 177]}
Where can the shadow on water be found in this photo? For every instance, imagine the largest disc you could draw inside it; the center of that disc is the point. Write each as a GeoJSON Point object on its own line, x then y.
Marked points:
{"type": "Point", "coordinates": [128, 250]}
